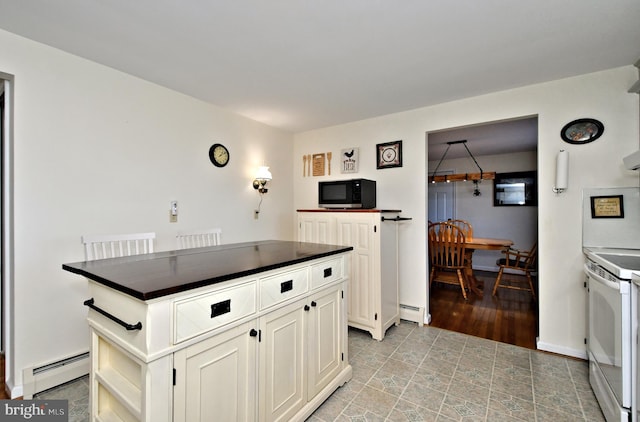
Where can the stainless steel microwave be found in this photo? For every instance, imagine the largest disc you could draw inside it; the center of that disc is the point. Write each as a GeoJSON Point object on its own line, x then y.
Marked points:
{"type": "Point", "coordinates": [354, 193]}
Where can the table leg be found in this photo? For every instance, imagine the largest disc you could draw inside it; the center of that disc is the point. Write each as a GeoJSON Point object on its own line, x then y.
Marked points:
{"type": "Point", "coordinates": [474, 284]}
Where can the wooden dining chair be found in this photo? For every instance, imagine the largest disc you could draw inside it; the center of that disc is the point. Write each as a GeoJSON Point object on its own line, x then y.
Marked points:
{"type": "Point", "coordinates": [447, 255]}
{"type": "Point", "coordinates": [520, 263]}
{"type": "Point", "coordinates": [117, 245]}
{"type": "Point", "coordinates": [467, 230]}
{"type": "Point", "coordinates": [198, 238]}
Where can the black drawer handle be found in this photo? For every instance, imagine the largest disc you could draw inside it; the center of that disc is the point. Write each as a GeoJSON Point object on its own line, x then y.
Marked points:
{"type": "Point", "coordinates": [285, 286]}
{"type": "Point", "coordinates": [221, 308]}
{"type": "Point", "coordinates": [129, 327]}
{"type": "Point", "coordinates": [313, 303]}
{"type": "Point", "coordinates": [327, 272]}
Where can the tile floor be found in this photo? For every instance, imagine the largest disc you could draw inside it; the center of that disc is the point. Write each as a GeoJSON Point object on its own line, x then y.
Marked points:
{"type": "Point", "coordinates": [77, 392]}
{"type": "Point", "coordinates": [429, 374]}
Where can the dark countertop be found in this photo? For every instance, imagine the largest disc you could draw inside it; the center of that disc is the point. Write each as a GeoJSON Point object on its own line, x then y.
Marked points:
{"type": "Point", "coordinates": [150, 276]}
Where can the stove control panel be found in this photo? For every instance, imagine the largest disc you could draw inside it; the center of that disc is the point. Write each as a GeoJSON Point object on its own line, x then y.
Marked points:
{"type": "Point", "coordinates": [598, 270]}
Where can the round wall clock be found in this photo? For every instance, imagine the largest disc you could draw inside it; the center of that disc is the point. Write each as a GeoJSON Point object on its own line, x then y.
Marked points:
{"type": "Point", "coordinates": [219, 155]}
{"type": "Point", "coordinates": [582, 131]}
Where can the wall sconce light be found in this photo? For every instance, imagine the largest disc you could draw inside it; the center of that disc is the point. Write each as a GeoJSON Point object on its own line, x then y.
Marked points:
{"type": "Point", "coordinates": [262, 177]}
{"type": "Point", "coordinates": [562, 171]}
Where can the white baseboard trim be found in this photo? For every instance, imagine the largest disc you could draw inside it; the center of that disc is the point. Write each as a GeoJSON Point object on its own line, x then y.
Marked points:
{"type": "Point", "coordinates": [495, 269]}
{"type": "Point", "coordinates": [561, 350]}
{"type": "Point", "coordinates": [492, 269]}
{"type": "Point", "coordinates": [14, 391]}
{"type": "Point", "coordinates": [42, 377]}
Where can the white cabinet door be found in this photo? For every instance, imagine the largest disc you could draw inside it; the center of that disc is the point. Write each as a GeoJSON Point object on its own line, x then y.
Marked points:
{"type": "Point", "coordinates": [373, 278]}
{"type": "Point", "coordinates": [325, 351]}
{"type": "Point", "coordinates": [216, 378]}
{"type": "Point", "coordinates": [316, 227]}
{"type": "Point", "coordinates": [359, 231]}
{"type": "Point", "coordinates": [282, 362]}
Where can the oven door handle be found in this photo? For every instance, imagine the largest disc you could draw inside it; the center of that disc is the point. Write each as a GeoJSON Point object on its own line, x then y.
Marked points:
{"type": "Point", "coordinates": [601, 280]}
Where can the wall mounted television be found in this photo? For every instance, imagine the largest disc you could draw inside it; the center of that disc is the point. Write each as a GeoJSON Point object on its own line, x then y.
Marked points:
{"type": "Point", "coordinates": [515, 189]}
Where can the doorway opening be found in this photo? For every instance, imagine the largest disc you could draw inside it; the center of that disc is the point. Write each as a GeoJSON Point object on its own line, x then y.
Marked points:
{"type": "Point", "coordinates": [503, 147]}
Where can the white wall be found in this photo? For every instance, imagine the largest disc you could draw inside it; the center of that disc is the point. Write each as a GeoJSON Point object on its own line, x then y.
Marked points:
{"type": "Point", "coordinates": [517, 223]}
{"type": "Point", "coordinates": [601, 95]}
{"type": "Point", "coordinates": [99, 151]}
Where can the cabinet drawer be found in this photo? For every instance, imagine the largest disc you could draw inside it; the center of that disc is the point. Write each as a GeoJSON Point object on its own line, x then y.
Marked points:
{"type": "Point", "coordinates": [326, 272]}
{"type": "Point", "coordinates": [281, 287]}
{"type": "Point", "coordinates": [212, 310]}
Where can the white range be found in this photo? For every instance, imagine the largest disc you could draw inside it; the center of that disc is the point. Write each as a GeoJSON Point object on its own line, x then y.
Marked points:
{"type": "Point", "coordinates": [611, 245]}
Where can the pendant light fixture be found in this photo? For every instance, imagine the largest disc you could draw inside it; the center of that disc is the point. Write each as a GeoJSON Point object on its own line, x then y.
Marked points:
{"type": "Point", "coordinates": [461, 177]}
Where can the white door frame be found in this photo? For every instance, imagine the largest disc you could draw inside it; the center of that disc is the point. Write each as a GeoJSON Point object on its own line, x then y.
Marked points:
{"type": "Point", "coordinates": [6, 306]}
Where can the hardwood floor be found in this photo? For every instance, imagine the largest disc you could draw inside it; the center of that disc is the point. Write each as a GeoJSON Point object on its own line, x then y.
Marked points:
{"type": "Point", "coordinates": [510, 317]}
{"type": "Point", "coordinates": [3, 388]}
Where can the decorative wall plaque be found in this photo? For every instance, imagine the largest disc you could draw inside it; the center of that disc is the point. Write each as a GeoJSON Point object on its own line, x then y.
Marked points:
{"type": "Point", "coordinates": [582, 131]}
{"type": "Point", "coordinates": [389, 155]}
{"type": "Point", "coordinates": [318, 164]}
{"type": "Point", "coordinates": [610, 206]}
{"type": "Point", "coordinates": [349, 159]}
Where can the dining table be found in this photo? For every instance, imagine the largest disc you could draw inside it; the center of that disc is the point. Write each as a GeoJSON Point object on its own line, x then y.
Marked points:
{"type": "Point", "coordinates": [480, 243]}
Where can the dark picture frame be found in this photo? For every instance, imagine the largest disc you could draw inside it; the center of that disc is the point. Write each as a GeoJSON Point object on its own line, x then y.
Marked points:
{"type": "Point", "coordinates": [389, 155]}
{"type": "Point", "coordinates": [515, 189]}
{"type": "Point", "coordinates": [582, 131]}
{"type": "Point", "coordinates": [607, 206]}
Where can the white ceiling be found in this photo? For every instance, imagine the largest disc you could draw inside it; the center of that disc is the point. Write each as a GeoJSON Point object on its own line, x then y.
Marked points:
{"type": "Point", "coordinates": [486, 139]}
{"type": "Point", "coordinates": [300, 65]}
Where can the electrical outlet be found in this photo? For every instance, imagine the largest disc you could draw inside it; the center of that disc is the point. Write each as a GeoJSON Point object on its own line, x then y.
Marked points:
{"type": "Point", "coordinates": [173, 212]}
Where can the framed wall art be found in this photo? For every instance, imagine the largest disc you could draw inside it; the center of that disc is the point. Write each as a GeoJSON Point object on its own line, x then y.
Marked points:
{"type": "Point", "coordinates": [517, 188]}
{"type": "Point", "coordinates": [610, 206]}
{"type": "Point", "coordinates": [389, 155]}
{"type": "Point", "coordinates": [582, 131]}
{"type": "Point", "coordinates": [349, 160]}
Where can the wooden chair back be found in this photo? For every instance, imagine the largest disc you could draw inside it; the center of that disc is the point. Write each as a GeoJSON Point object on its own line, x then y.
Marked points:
{"type": "Point", "coordinates": [518, 262]}
{"type": "Point", "coordinates": [465, 226]}
{"type": "Point", "coordinates": [447, 255]}
{"type": "Point", "coordinates": [524, 261]}
{"type": "Point", "coordinates": [117, 245]}
{"type": "Point", "coordinates": [446, 246]}
{"type": "Point", "coordinates": [198, 238]}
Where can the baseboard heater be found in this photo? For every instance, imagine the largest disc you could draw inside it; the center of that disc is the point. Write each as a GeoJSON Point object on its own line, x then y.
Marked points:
{"type": "Point", "coordinates": [412, 313]}
{"type": "Point", "coordinates": [45, 376]}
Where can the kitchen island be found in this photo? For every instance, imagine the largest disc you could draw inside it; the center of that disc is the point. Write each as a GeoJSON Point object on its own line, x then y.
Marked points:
{"type": "Point", "coordinates": [250, 331]}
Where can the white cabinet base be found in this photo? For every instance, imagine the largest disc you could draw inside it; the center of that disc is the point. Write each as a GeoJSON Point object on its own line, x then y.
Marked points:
{"type": "Point", "coordinates": [373, 281]}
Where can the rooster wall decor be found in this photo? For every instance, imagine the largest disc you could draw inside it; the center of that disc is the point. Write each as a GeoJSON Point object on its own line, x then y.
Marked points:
{"type": "Point", "coordinates": [349, 160]}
